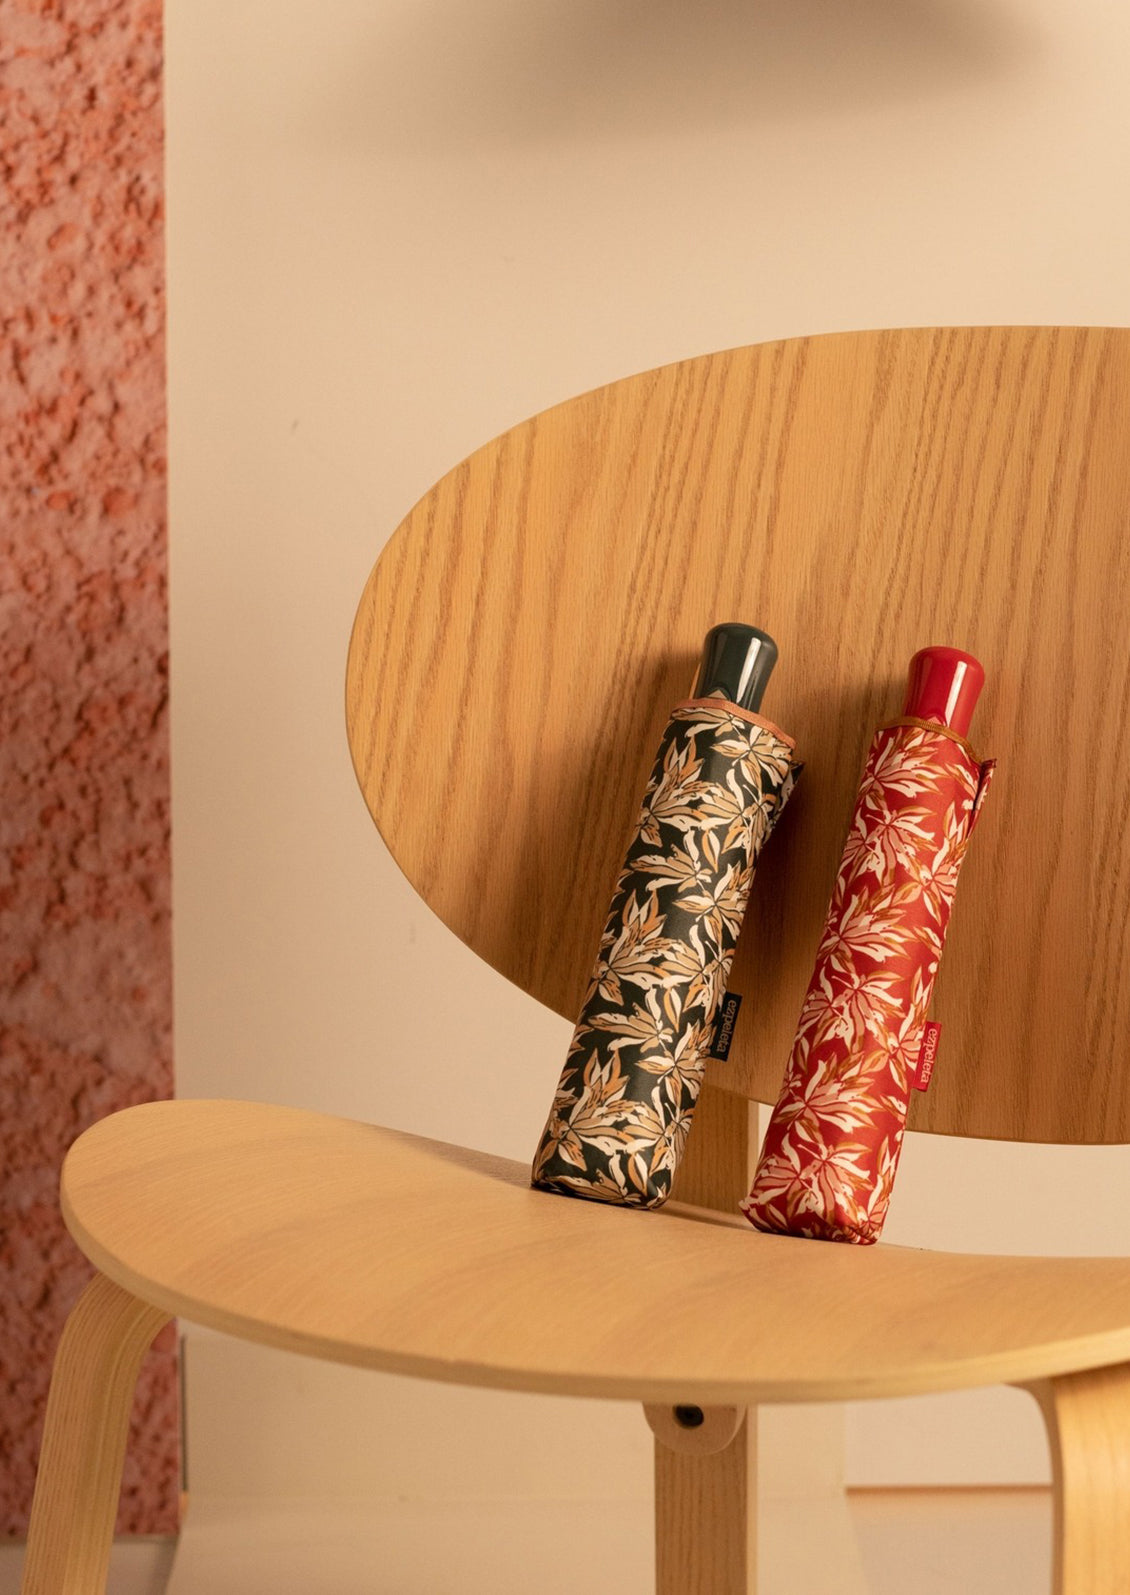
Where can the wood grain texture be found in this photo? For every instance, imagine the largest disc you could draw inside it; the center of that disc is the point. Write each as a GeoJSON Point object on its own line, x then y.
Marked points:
{"type": "Point", "coordinates": [530, 624]}
{"type": "Point", "coordinates": [721, 1153]}
{"type": "Point", "coordinates": [706, 1519]}
{"type": "Point", "coordinates": [706, 1478]}
{"type": "Point", "coordinates": [84, 1440]}
{"type": "Point", "coordinates": [1088, 1422]}
{"type": "Point", "coordinates": [380, 1249]}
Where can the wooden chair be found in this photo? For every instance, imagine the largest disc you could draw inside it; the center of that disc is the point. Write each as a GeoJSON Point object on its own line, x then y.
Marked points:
{"type": "Point", "coordinates": [515, 655]}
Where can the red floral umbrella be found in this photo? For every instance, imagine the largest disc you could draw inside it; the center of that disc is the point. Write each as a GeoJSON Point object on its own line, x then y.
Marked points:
{"type": "Point", "coordinates": [862, 1043]}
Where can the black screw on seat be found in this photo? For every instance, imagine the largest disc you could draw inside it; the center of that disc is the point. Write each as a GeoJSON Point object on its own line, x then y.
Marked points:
{"type": "Point", "coordinates": [689, 1417]}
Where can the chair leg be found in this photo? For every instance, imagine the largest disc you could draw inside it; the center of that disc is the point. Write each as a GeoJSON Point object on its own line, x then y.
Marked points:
{"type": "Point", "coordinates": [706, 1495]}
{"type": "Point", "coordinates": [84, 1440]}
{"type": "Point", "coordinates": [1088, 1422]}
{"type": "Point", "coordinates": [706, 1517]}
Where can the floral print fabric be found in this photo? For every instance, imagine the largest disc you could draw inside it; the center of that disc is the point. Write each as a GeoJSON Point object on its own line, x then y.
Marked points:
{"type": "Point", "coordinates": [828, 1160]}
{"type": "Point", "coordinates": [632, 1075]}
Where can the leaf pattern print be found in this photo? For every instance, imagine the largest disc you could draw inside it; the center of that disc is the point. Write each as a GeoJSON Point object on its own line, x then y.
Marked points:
{"type": "Point", "coordinates": [634, 1069]}
{"type": "Point", "coordinates": [645, 1025]}
{"type": "Point", "coordinates": [828, 1162]}
{"type": "Point", "coordinates": [886, 837]}
{"type": "Point", "coordinates": [634, 946]}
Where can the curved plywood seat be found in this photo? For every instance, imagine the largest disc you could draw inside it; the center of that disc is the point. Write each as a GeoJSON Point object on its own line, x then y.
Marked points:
{"type": "Point", "coordinates": [371, 1247]}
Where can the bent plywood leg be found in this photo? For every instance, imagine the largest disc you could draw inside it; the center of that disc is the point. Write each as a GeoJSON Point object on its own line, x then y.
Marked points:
{"type": "Point", "coordinates": [706, 1517]}
{"type": "Point", "coordinates": [84, 1440]}
{"type": "Point", "coordinates": [1088, 1422]}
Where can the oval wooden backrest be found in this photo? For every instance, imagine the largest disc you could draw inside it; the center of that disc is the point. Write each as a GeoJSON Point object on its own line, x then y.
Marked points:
{"type": "Point", "coordinates": [529, 626]}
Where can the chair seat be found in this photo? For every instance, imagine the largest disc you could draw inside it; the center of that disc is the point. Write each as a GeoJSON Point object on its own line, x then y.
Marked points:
{"type": "Point", "coordinates": [369, 1246]}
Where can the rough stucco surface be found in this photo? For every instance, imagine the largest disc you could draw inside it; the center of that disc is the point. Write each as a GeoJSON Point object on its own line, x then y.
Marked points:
{"type": "Point", "coordinates": [85, 1000]}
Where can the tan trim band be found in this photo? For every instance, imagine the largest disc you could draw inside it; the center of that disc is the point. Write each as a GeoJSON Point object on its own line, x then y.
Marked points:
{"type": "Point", "coordinates": [932, 725]}
{"type": "Point", "coordinates": [739, 714]}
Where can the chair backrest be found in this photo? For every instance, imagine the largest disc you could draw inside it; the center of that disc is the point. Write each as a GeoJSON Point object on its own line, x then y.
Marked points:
{"type": "Point", "coordinates": [530, 624]}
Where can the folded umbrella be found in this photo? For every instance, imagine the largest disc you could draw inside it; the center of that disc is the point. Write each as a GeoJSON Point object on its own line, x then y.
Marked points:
{"type": "Point", "coordinates": [632, 1076]}
{"type": "Point", "coordinates": [828, 1161]}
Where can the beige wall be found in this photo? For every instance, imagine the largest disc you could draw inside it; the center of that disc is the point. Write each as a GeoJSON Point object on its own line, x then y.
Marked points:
{"type": "Point", "coordinates": [398, 226]}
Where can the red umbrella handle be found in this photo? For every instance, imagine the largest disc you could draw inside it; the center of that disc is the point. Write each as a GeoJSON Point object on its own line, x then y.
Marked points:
{"type": "Point", "coordinates": [943, 685]}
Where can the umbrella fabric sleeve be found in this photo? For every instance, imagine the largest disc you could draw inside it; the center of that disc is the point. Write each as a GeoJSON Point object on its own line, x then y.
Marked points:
{"type": "Point", "coordinates": [632, 1075]}
{"type": "Point", "coordinates": [828, 1160]}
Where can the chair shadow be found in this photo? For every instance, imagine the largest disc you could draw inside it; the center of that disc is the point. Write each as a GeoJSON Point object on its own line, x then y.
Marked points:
{"type": "Point", "coordinates": [506, 1171]}
{"type": "Point", "coordinates": [502, 1170]}
{"type": "Point", "coordinates": [441, 75]}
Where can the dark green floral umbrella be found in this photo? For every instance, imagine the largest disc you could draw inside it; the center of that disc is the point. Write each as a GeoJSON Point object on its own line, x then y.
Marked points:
{"type": "Point", "coordinates": [721, 779]}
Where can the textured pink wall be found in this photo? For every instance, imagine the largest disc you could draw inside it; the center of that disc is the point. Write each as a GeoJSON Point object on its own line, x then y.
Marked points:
{"type": "Point", "coordinates": [85, 1003]}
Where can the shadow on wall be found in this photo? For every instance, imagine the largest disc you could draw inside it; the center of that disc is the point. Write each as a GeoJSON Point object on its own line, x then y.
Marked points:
{"type": "Point", "coordinates": [520, 72]}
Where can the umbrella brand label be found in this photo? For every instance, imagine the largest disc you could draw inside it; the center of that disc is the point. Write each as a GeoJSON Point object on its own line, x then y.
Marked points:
{"type": "Point", "coordinates": [724, 1025]}
{"type": "Point", "coordinates": [929, 1052]}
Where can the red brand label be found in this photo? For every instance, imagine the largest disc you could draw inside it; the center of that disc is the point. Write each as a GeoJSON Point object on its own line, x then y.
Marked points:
{"type": "Point", "coordinates": [926, 1056]}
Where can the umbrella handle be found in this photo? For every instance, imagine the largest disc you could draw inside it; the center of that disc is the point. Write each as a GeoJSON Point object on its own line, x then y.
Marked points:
{"type": "Point", "coordinates": [736, 664]}
{"type": "Point", "coordinates": [943, 684]}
